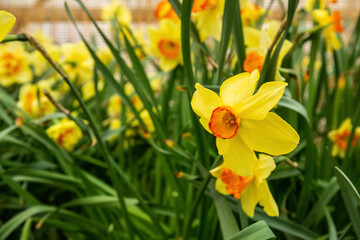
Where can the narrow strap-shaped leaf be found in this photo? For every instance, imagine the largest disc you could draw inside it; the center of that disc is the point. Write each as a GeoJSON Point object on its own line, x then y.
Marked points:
{"type": "Point", "coordinates": [228, 20]}
{"type": "Point", "coordinates": [239, 37]}
{"type": "Point", "coordinates": [351, 199]}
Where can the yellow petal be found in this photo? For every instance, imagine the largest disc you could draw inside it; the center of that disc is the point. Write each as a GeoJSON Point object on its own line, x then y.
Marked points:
{"type": "Point", "coordinates": [257, 106]}
{"type": "Point", "coordinates": [221, 187]}
{"type": "Point", "coordinates": [239, 87]}
{"type": "Point", "coordinates": [238, 156]}
{"type": "Point", "coordinates": [272, 135]}
{"type": "Point", "coordinates": [251, 37]}
{"type": "Point", "coordinates": [265, 166]}
{"type": "Point", "coordinates": [204, 101]}
{"type": "Point", "coordinates": [7, 21]}
{"type": "Point", "coordinates": [321, 16]}
{"type": "Point", "coordinates": [205, 123]}
{"type": "Point", "coordinates": [249, 198]}
{"type": "Point", "coordinates": [216, 172]}
{"type": "Point", "coordinates": [267, 201]}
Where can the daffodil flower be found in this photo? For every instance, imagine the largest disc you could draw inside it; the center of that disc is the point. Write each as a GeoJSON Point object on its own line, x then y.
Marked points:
{"type": "Point", "coordinates": [120, 10]}
{"type": "Point", "coordinates": [241, 121]}
{"type": "Point", "coordinates": [250, 13]}
{"type": "Point", "coordinates": [7, 21]}
{"type": "Point", "coordinates": [257, 44]}
{"type": "Point", "coordinates": [208, 17]}
{"type": "Point", "coordinates": [164, 10]}
{"type": "Point", "coordinates": [65, 133]}
{"type": "Point", "coordinates": [252, 189]}
{"type": "Point", "coordinates": [166, 44]}
{"type": "Point", "coordinates": [323, 18]}
{"type": "Point", "coordinates": [340, 137]}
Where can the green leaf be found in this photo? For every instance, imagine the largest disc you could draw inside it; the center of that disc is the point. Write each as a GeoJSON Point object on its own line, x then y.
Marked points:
{"type": "Point", "coordinates": [227, 220]}
{"type": "Point", "coordinates": [259, 231]}
{"type": "Point", "coordinates": [25, 233]}
{"type": "Point", "coordinates": [285, 225]}
{"type": "Point", "coordinates": [239, 37]}
{"type": "Point", "coordinates": [14, 222]}
{"type": "Point", "coordinates": [351, 199]}
{"type": "Point", "coordinates": [317, 212]}
{"type": "Point", "coordinates": [100, 200]}
{"type": "Point", "coordinates": [295, 106]}
{"type": "Point", "coordinates": [228, 19]}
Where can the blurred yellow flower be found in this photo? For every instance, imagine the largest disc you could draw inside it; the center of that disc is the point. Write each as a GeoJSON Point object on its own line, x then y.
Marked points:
{"type": "Point", "coordinates": [117, 8]}
{"type": "Point", "coordinates": [208, 17]}
{"type": "Point", "coordinates": [114, 106]}
{"type": "Point", "coordinates": [323, 18]}
{"type": "Point", "coordinates": [77, 62]}
{"type": "Point", "coordinates": [257, 44]}
{"type": "Point", "coordinates": [165, 43]}
{"type": "Point", "coordinates": [340, 137]}
{"type": "Point", "coordinates": [88, 89]}
{"type": "Point", "coordinates": [241, 121]}
{"type": "Point", "coordinates": [164, 10]}
{"type": "Point", "coordinates": [65, 133]}
{"type": "Point", "coordinates": [39, 63]}
{"type": "Point", "coordinates": [252, 189]}
{"type": "Point", "coordinates": [251, 13]}
{"type": "Point", "coordinates": [34, 102]}
{"type": "Point", "coordinates": [7, 21]}
{"type": "Point", "coordinates": [14, 64]}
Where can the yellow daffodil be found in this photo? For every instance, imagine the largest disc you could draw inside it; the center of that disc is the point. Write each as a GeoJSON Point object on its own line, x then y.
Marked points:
{"type": "Point", "coordinates": [88, 89]}
{"type": "Point", "coordinates": [114, 106]}
{"type": "Point", "coordinates": [120, 10]}
{"type": "Point", "coordinates": [340, 137]}
{"type": "Point", "coordinates": [166, 44]}
{"type": "Point", "coordinates": [65, 133]}
{"type": "Point", "coordinates": [164, 10]}
{"type": "Point", "coordinates": [77, 62]}
{"type": "Point", "coordinates": [34, 102]}
{"type": "Point", "coordinates": [208, 17]}
{"type": "Point", "coordinates": [323, 18]}
{"type": "Point", "coordinates": [257, 44]}
{"type": "Point", "coordinates": [251, 13]}
{"type": "Point", "coordinates": [7, 21]}
{"type": "Point", "coordinates": [252, 189]}
{"type": "Point", "coordinates": [14, 64]}
{"type": "Point", "coordinates": [241, 121]}
{"type": "Point", "coordinates": [105, 55]}
{"type": "Point", "coordinates": [39, 63]}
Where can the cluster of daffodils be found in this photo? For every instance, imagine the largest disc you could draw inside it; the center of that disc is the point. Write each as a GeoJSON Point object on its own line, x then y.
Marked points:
{"type": "Point", "coordinates": [242, 123]}
{"type": "Point", "coordinates": [207, 15]}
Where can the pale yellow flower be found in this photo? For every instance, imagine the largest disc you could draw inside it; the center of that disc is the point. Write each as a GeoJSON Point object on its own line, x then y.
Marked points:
{"type": "Point", "coordinates": [14, 64]}
{"type": "Point", "coordinates": [77, 62]}
{"type": "Point", "coordinates": [33, 101]}
{"type": "Point", "coordinates": [165, 44]}
{"type": "Point", "coordinates": [120, 10]}
{"type": "Point", "coordinates": [65, 133]}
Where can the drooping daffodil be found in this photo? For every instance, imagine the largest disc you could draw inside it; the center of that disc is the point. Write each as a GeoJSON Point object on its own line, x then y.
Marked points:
{"type": "Point", "coordinates": [252, 189]}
